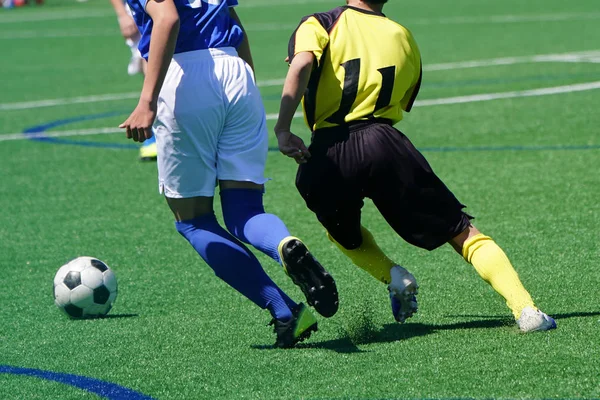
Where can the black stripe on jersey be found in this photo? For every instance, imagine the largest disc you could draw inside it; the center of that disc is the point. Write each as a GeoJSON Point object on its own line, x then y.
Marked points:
{"type": "Point", "coordinates": [415, 92]}
{"type": "Point", "coordinates": [352, 68]}
{"type": "Point", "coordinates": [387, 87]}
{"type": "Point", "coordinates": [327, 20]}
{"type": "Point", "coordinates": [310, 94]}
{"type": "Point", "coordinates": [292, 43]}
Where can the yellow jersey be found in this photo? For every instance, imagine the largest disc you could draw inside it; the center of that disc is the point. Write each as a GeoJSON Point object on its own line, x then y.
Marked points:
{"type": "Point", "coordinates": [367, 66]}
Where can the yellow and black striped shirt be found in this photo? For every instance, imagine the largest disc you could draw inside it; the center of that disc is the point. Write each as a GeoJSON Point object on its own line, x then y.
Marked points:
{"type": "Point", "coordinates": [367, 66]}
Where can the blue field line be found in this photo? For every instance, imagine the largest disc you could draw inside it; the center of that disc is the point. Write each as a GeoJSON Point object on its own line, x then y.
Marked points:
{"type": "Point", "coordinates": [510, 148]}
{"type": "Point", "coordinates": [60, 122]}
{"type": "Point", "coordinates": [34, 132]}
{"type": "Point", "coordinates": [111, 391]}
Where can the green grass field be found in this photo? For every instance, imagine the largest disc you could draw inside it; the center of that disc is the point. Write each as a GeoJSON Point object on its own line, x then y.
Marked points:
{"type": "Point", "coordinates": [508, 117]}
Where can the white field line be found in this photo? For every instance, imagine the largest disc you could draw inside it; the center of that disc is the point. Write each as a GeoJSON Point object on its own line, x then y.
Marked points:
{"type": "Point", "coordinates": [52, 34]}
{"type": "Point", "coordinates": [114, 32]}
{"type": "Point", "coordinates": [585, 56]}
{"type": "Point", "coordinates": [592, 56]}
{"type": "Point", "coordinates": [74, 132]}
{"type": "Point", "coordinates": [27, 105]}
{"type": "Point", "coordinates": [274, 26]}
{"type": "Point", "coordinates": [505, 19]}
{"type": "Point", "coordinates": [580, 87]}
{"type": "Point", "coordinates": [87, 132]}
{"type": "Point", "coordinates": [8, 18]}
{"type": "Point", "coordinates": [422, 103]}
{"type": "Point", "coordinates": [492, 19]}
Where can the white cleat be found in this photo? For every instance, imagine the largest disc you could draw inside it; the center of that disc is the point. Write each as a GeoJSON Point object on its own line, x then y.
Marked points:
{"type": "Point", "coordinates": [403, 292]}
{"type": "Point", "coordinates": [532, 320]}
{"type": "Point", "coordinates": [136, 63]}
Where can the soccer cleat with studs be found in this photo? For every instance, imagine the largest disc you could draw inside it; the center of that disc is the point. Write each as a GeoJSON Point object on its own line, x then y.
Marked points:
{"type": "Point", "coordinates": [305, 271]}
{"type": "Point", "coordinates": [403, 294]}
{"type": "Point", "coordinates": [297, 329]}
{"type": "Point", "coordinates": [532, 320]}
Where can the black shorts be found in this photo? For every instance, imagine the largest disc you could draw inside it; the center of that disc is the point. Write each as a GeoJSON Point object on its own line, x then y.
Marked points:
{"type": "Point", "coordinates": [375, 160]}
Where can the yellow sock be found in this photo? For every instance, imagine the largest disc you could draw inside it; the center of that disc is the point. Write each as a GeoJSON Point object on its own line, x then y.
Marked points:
{"type": "Point", "coordinates": [495, 268]}
{"type": "Point", "coordinates": [369, 257]}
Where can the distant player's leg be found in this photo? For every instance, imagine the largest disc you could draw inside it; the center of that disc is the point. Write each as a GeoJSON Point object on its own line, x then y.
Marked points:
{"type": "Point", "coordinates": [243, 148]}
{"type": "Point", "coordinates": [494, 267]}
{"type": "Point", "coordinates": [148, 150]}
{"type": "Point", "coordinates": [136, 62]}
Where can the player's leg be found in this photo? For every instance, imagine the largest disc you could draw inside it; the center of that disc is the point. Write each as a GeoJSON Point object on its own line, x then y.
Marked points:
{"type": "Point", "coordinates": [189, 121]}
{"type": "Point", "coordinates": [494, 267]}
{"type": "Point", "coordinates": [137, 65]}
{"type": "Point", "coordinates": [245, 217]}
{"type": "Point", "coordinates": [332, 185]}
{"type": "Point", "coordinates": [427, 214]}
{"type": "Point", "coordinates": [136, 62]}
{"type": "Point", "coordinates": [148, 151]}
{"type": "Point", "coordinates": [242, 152]}
{"type": "Point", "coordinates": [230, 260]}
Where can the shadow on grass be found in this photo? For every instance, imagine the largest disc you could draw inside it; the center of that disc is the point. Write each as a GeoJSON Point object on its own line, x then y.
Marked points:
{"type": "Point", "coordinates": [396, 332]}
{"type": "Point", "coordinates": [113, 316]}
{"type": "Point", "coordinates": [342, 345]}
{"type": "Point", "coordinates": [575, 315]}
{"type": "Point", "coordinates": [101, 317]}
{"type": "Point", "coordinates": [555, 316]}
{"type": "Point", "coordinates": [390, 333]}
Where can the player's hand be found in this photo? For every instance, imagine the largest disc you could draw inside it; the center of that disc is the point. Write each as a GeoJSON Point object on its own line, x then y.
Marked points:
{"type": "Point", "coordinates": [139, 124]}
{"type": "Point", "coordinates": [129, 29]}
{"type": "Point", "coordinates": [292, 146]}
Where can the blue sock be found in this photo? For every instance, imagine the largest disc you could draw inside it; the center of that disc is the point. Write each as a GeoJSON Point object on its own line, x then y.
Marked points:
{"type": "Point", "coordinates": [234, 264]}
{"type": "Point", "coordinates": [246, 219]}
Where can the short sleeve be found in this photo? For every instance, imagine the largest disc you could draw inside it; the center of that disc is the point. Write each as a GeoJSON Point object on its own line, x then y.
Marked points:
{"type": "Point", "coordinates": [411, 94]}
{"type": "Point", "coordinates": [310, 36]}
{"type": "Point", "coordinates": [232, 3]}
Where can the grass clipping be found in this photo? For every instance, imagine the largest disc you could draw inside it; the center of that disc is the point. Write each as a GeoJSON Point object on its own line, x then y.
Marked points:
{"type": "Point", "coordinates": [358, 325]}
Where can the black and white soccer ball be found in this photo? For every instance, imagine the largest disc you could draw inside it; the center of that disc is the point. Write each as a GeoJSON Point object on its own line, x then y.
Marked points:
{"type": "Point", "coordinates": [85, 288]}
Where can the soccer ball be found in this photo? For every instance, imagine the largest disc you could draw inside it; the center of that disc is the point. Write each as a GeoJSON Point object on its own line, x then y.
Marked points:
{"type": "Point", "coordinates": [85, 287]}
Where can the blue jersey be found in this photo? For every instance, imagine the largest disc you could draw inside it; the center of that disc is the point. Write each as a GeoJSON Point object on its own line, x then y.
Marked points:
{"type": "Point", "coordinates": [203, 24]}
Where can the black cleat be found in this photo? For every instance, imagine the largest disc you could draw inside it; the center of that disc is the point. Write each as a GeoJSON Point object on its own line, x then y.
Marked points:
{"type": "Point", "coordinates": [317, 284]}
{"type": "Point", "coordinates": [297, 329]}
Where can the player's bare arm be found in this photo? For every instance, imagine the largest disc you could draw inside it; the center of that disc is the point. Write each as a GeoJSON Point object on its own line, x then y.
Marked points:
{"type": "Point", "coordinates": [162, 46]}
{"type": "Point", "coordinates": [293, 90]}
{"type": "Point", "coordinates": [244, 47]}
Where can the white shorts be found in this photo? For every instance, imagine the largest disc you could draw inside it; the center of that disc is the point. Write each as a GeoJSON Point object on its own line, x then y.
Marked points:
{"type": "Point", "coordinates": [210, 124]}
